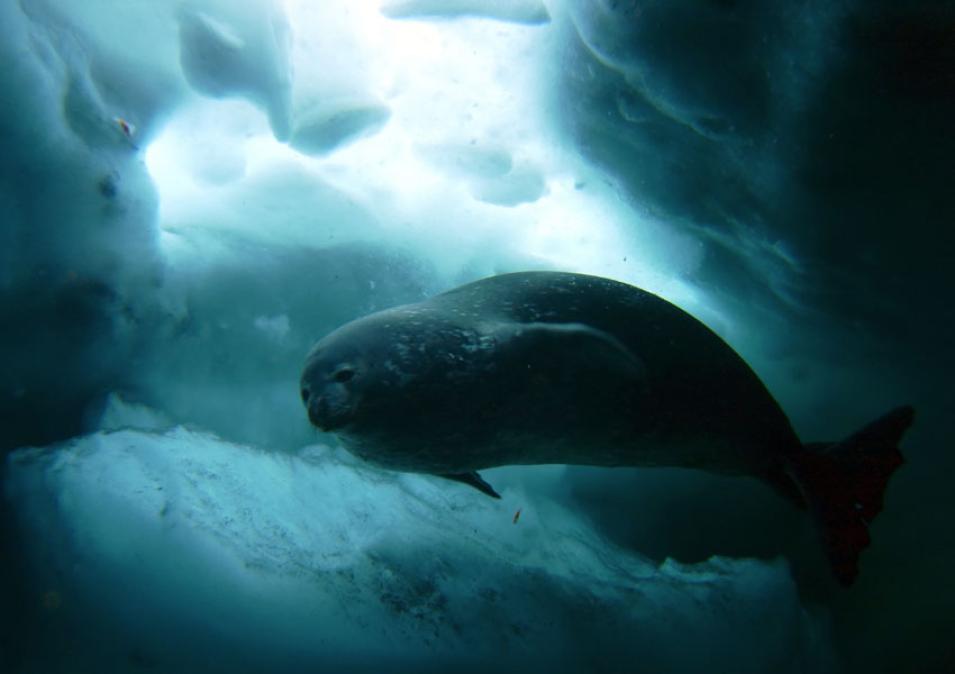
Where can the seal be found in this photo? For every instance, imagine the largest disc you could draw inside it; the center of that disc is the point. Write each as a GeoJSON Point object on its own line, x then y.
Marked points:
{"type": "Point", "coordinates": [552, 367]}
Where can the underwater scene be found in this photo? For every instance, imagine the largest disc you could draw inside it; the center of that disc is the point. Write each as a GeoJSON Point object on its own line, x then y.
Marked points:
{"type": "Point", "coordinates": [452, 336]}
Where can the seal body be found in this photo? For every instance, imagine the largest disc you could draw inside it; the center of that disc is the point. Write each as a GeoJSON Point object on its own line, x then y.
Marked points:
{"type": "Point", "coordinates": [550, 367]}
{"type": "Point", "coordinates": [542, 367]}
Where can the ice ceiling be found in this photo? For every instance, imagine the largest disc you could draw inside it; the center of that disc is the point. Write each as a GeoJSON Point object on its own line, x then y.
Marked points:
{"type": "Point", "coordinates": [192, 191]}
{"type": "Point", "coordinates": [436, 136]}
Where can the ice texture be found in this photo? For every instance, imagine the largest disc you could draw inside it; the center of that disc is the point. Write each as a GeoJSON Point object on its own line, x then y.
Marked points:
{"type": "Point", "coordinates": [518, 11]}
{"type": "Point", "coordinates": [187, 545]}
{"type": "Point", "coordinates": [244, 53]}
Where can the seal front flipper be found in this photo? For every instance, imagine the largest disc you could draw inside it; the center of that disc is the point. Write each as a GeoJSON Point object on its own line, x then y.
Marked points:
{"type": "Point", "coordinates": [474, 480]}
{"type": "Point", "coordinates": [574, 349]}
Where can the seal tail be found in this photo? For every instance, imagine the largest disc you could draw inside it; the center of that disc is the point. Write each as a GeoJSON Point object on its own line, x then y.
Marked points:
{"type": "Point", "coordinates": [843, 484]}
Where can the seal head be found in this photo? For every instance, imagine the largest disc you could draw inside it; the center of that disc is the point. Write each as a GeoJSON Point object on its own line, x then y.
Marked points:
{"type": "Point", "coordinates": [423, 389]}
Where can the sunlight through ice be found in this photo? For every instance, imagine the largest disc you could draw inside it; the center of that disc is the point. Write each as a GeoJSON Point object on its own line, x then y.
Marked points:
{"type": "Point", "coordinates": [443, 137]}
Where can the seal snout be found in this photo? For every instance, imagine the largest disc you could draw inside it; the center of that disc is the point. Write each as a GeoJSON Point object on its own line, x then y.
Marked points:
{"type": "Point", "coordinates": [324, 414]}
{"type": "Point", "coordinates": [317, 407]}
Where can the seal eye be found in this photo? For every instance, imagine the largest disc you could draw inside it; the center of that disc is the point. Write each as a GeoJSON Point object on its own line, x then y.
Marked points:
{"type": "Point", "coordinates": [305, 396]}
{"type": "Point", "coordinates": [343, 375]}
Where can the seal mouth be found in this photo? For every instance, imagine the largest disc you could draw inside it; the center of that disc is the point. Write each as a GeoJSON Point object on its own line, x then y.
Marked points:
{"type": "Point", "coordinates": [323, 417]}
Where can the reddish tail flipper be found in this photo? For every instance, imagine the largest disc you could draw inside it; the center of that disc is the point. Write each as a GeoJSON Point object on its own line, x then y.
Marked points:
{"type": "Point", "coordinates": [843, 484]}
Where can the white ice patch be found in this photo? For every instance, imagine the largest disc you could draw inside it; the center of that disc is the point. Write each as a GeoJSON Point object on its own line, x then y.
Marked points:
{"type": "Point", "coordinates": [243, 52]}
{"type": "Point", "coordinates": [331, 560]}
{"type": "Point", "coordinates": [327, 126]}
{"type": "Point", "coordinates": [276, 327]}
{"type": "Point", "coordinates": [517, 11]}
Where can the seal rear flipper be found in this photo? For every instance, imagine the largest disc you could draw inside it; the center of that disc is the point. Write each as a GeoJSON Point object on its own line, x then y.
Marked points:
{"type": "Point", "coordinates": [844, 482]}
{"type": "Point", "coordinates": [474, 480]}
